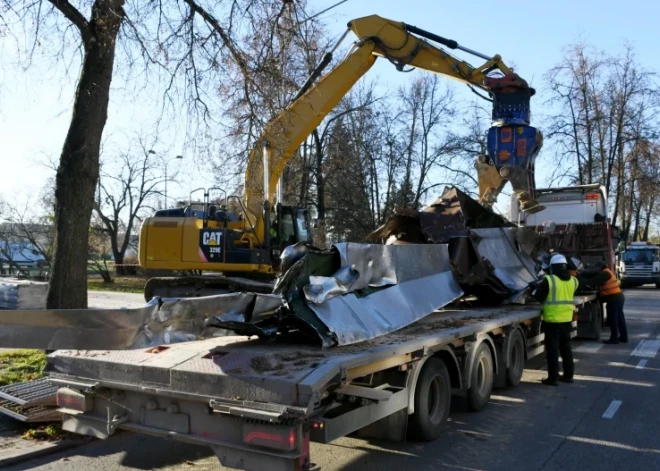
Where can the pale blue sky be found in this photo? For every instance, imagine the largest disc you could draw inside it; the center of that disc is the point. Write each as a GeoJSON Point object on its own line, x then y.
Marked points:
{"type": "Point", "coordinates": [35, 109]}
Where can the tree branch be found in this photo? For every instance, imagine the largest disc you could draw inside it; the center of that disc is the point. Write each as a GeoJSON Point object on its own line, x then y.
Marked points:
{"type": "Point", "coordinates": [75, 17]}
{"type": "Point", "coordinates": [213, 23]}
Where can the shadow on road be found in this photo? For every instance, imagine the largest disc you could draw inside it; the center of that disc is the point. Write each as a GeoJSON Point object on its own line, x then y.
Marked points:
{"type": "Point", "coordinates": [137, 452]}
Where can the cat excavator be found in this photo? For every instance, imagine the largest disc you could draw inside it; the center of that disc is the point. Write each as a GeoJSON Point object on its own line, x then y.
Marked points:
{"type": "Point", "coordinates": [242, 246]}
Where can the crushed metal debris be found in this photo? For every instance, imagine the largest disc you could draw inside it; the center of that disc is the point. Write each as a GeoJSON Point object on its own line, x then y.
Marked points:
{"type": "Point", "coordinates": [454, 249]}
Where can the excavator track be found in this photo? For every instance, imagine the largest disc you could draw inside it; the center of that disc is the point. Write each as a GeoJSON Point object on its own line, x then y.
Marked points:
{"type": "Point", "coordinates": [196, 286]}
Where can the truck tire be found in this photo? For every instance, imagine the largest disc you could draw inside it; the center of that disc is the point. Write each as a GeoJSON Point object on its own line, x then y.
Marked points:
{"type": "Point", "coordinates": [516, 359]}
{"type": "Point", "coordinates": [481, 384]}
{"type": "Point", "coordinates": [432, 401]}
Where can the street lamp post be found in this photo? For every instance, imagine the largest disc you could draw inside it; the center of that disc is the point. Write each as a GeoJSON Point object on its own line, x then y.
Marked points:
{"type": "Point", "coordinates": [165, 163]}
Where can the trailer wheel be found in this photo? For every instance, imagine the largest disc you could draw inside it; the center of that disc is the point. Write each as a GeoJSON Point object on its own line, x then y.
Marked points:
{"type": "Point", "coordinates": [482, 379]}
{"type": "Point", "coordinates": [516, 359]}
{"type": "Point", "coordinates": [432, 401]}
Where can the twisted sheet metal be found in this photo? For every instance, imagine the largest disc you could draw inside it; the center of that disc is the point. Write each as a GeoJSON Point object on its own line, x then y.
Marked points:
{"type": "Point", "coordinates": [159, 322]}
{"type": "Point", "coordinates": [414, 281]}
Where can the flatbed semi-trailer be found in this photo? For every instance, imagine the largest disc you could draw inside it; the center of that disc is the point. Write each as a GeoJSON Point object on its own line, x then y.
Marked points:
{"type": "Point", "coordinates": [258, 405]}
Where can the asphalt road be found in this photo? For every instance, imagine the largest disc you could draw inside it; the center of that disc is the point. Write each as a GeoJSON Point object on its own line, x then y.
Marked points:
{"type": "Point", "coordinates": [607, 420]}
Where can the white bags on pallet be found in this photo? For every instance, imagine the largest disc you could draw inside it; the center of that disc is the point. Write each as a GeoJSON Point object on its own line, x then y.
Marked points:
{"type": "Point", "coordinates": [22, 294]}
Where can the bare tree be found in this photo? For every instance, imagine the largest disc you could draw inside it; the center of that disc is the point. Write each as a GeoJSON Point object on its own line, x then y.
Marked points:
{"type": "Point", "coordinates": [191, 50]}
{"type": "Point", "coordinates": [129, 184]}
{"type": "Point", "coordinates": [426, 112]}
{"type": "Point", "coordinates": [602, 106]}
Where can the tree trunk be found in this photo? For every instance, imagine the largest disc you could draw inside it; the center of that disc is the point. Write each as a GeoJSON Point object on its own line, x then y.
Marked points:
{"type": "Point", "coordinates": [119, 260]}
{"type": "Point", "coordinates": [78, 171]}
{"type": "Point", "coordinates": [647, 224]}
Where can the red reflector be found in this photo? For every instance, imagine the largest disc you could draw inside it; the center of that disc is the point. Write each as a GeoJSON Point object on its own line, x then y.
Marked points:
{"type": "Point", "coordinates": [292, 439]}
{"type": "Point", "coordinates": [592, 196]}
{"type": "Point", "coordinates": [157, 349]}
{"type": "Point", "coordinates": [277, 437]}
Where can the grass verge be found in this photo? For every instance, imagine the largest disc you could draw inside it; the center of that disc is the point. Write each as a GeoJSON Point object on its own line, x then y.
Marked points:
{"type": "Point", "coordinates": [127, 284]}
{"type": "Point", "coordinates": [17, 366]}
{"type": "Point", "coordinates": [45, 432]}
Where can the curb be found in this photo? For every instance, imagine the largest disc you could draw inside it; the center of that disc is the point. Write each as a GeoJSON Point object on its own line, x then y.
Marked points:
{"type": "Point", "coordinates": [20, 456]}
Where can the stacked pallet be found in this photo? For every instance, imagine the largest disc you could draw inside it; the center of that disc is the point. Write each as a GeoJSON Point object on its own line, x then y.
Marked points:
{"type": "Point", "coordinates": [22, 294]}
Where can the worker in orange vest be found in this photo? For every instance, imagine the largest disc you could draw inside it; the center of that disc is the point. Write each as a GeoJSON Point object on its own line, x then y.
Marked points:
{"type": "Point", "coordinates": [610, 293]}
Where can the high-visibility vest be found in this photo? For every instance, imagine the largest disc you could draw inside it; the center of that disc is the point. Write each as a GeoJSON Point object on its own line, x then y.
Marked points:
{"type": "Point", "coordinates": [611, 286]}
{"type": "Point", "coordinates": [559, 305]}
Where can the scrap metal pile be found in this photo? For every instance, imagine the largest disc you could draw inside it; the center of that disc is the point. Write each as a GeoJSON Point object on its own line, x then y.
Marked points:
{"type": "Point", "coordinates": [454, 250]}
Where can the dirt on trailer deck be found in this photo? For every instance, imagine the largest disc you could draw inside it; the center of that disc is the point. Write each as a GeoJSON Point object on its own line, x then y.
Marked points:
{"type": "Point", "coordinates": [286, 360]}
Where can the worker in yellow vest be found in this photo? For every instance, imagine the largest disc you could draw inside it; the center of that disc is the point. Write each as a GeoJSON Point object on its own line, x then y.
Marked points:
{"type": "Point", "coordinates": [556, 293]}
{"type": "Point", "coordinates": [609, 293]}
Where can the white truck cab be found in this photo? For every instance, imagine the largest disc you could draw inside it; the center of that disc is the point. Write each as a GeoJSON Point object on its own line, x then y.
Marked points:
{"type": "Point", "coordinates": [640, 264]}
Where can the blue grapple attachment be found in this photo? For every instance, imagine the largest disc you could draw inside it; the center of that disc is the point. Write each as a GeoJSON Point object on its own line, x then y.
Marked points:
{"type": "Point", "coordinates": [512, 144]}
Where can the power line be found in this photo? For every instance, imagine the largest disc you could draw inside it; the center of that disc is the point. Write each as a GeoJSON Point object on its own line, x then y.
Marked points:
{"type": "Point", "coordinates": [323, 11]}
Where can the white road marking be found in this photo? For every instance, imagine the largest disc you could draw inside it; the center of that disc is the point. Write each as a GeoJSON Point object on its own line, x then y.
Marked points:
{"type": "Point", "coordinates": [507, 399]}
{"type": "Point", "coordinates": [588, 348]}
{"type": "Point", "coordinates": [602, 443]}
{"type": "Point", "coordinates": [646, 349]}
{"type": "Point", "coordinates": [641, 364]}
{"type": "Point", "coordinates": [611, 410]}
{"type": "Point", "coordinates": [604, 379]}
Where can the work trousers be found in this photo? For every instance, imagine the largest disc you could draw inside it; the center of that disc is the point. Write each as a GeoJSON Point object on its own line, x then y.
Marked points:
{"type": "Point", "coordinates": [617, 321]}
{"type": "Point", "coordinates": [558, 341]}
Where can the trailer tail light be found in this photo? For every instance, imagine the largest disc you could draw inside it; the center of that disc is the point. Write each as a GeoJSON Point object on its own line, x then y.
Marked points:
{"type": "Point", "coordinates": [73, 401]}
{"type": "Point", "coordinates": [592, 196]}
{"type": "Point", "coordinates": [278, 437]}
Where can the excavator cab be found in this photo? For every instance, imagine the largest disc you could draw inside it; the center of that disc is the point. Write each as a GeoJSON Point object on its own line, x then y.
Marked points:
{"type": "Point", "coordinates": [289, 226]}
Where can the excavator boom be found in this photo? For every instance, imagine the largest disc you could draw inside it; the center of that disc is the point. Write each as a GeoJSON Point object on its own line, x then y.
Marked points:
{"type": "Point", "coordinates": [512, 143]}
{"type": "Point", "coordinates": [249, 244]}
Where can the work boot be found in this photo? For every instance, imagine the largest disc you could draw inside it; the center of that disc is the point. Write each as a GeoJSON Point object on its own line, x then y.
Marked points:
{"type": "Point", "coordinates": [566, 379]}
{"type": "Point", "coordinates": [550, 382]}
{"type": "Point", "coordinates": [623, 341]}
{"type": "Point", "coordinates": [611, 342]}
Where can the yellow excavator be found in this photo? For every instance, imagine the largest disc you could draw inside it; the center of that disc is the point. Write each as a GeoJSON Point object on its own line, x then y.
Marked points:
{"type": "Point", "coordinates": [242, 246]}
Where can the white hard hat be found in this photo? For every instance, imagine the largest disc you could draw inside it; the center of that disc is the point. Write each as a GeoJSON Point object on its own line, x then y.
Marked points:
{"type": "Point", "coordinates": [558, 259]}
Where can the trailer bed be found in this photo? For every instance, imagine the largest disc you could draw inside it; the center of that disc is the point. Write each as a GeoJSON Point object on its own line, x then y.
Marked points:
{"type": "Point", "coordinates": [236, 368]}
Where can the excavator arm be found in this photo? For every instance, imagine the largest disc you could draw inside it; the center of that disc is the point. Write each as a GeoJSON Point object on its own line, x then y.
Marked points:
{"type": "Point", "coordinates": [512, 143]}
